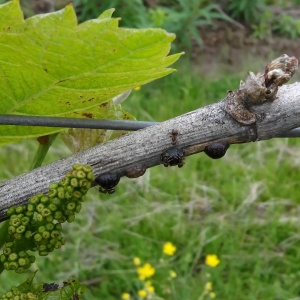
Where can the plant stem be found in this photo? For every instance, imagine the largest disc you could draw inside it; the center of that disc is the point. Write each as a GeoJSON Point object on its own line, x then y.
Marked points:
{"type": "Point", "coordinates": [42, 151]}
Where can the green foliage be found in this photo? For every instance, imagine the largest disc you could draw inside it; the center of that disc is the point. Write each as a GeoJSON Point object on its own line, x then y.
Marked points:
{"type": "Point", "coordinates": [246, 10]}
{"type": "Point", "coordinates": [263, 29]}
{"type": "Point", "coordinates": [51, 66]}
{"type": "Point", "coordinates": [185, 18]}
{"type": "Point", "coordinates": [287, 26]}
{"type": "Point", "coordinates": [37, 226]}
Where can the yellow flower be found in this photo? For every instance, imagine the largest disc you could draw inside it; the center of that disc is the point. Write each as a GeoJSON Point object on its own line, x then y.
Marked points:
{"type": "Point", "coordinates": [172, 274]}
{"type": "Point", "coordinates": [125, 296]}
{"type": "Point", "coordinates": [142, 293]}
{"type": "Point", "coordinates": [169, 248]}
{"type": "Point", "coordinates": [208, 286]}
{"type": "Point", "coordinates": [150, 289]}
{"type": "Point", "coordinates": [212, 295]}
{"type": "Point", "coordinates": [212, 260]}
{"type": "Point", "coordinates": [136, 261]}
{"type": "Point", "coordinates": [146, 271]}
{"type": "Point", "coordinates": [148, 283]}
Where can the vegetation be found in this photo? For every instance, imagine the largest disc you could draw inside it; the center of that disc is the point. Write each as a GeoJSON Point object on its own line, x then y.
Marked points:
{"type": "Point", "coordinates": [243, 208]}
{"type": "Point", "coordinates": [213, 229]}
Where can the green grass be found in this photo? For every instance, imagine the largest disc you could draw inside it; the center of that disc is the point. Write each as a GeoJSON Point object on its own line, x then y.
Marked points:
{"type": "Point", "coordinates": [244, 208]}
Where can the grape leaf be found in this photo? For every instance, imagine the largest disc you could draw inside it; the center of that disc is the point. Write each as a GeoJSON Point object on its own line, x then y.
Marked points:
{"type": "Point", "coordinates": [51, 66]}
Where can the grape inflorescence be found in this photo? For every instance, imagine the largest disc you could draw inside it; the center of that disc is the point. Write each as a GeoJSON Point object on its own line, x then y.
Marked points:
{"type": "Point", "coordinates": [38, 225]}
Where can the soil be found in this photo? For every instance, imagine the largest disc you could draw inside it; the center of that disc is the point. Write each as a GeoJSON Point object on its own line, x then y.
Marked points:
{"type": "Point", "coordinates": [232, 47]}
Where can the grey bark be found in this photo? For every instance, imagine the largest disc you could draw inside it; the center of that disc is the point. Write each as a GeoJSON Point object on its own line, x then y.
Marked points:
{"type": "Point", "coordinates": [196, 130]}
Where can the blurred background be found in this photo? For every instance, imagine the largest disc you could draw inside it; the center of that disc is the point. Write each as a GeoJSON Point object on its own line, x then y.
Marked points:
{"type": "Point", "coordinates": [243, 208]}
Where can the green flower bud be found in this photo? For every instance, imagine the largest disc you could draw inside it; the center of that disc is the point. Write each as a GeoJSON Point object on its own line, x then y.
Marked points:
{"type": "Point", "coordinates": [19, 270]}
{"type": "Point", "coordinates": [17, 236]}
{"type": "Point", "coordinates": [90, 177]}
{"type": "Point", "coordinates": [28, 234]}
{"type": "Point", "coordinates": [70, 219]}
{"type": "Point", "coordinates": [23, 262]}
{"type": "Point", "coordinates": [37, 237]}
{"type": "Point", "coordinates": [46, 212]}
{"type": "Point", "coordinates": [52, 207]}
{"type": "Point", "coordinates": [65, 181]}
{"type": "Point", "coordinates": [13, 265]}
{"type": "Point", "coordinates": [55, 234]}
{"type": "Point", "coordinates": [54, 186]}
{"type": "Point", "coordinates": [52, 193]}
{"type": "Point", "coordinates": [43, 253]}
{"type": "Point", "coordinates": [30, 207]}
{"type": "Point", "coordinates": [11, 229]}
{"type": "Point", "coordinates": [49, 218]}
{"type": "Point", "coordinates": [68, 212]}
{"type": "Point", "coordinates": [52, 242]}
{"type": "Point", "coordinates": [61, 194]}
{"type": "Point", "coordinates": [71, 205]}
{"type": "Point", "coordinates": [9, 244]}
{"type": "Point", "coordinates": [41, 229]}
{"type": "Point", "coordinates": [58, 215]}
{"type": "Point", "coordinates": [15, 221]}
{"type": "Point", "coordinates": [13, 256]}
{"type": "Point", "coordinates": [58, 226]}
{"type": "Point", "coordinates": [20, 209]}
{"type": "Point", "coordinates": [31, 259]}
{"type": "Point", "coordinates": [2, 258]}
{"type": "Point", "coordinates": [23, 254]}
{"type": "Point", "coordinates": [74, 182]}
{"type": "Point", "coordinates": [20, 229]}
{"type": "Point", "coordinates": [49, 226]}
{"type": "Point", "coordinates": [39, 218]}
{"type": "Point", "coordinates": [77, 195]}
{"type": "Point", "coordinates": [56, 201]}
{"type": "Point", "coordinates": [44, 200]}
{"type": "Point", "coordinates": [80, 174]}
{"type": "Point", "coordinates": [9, 294]}
{"type": "Point", "coordinates": [31, 296]}
{"type": "Point", "coordinates": [11, 211]}
{"type": "Point", "coordinates": [6, 265]}
{"type": "Point", "coordinates": [77, 167]}
{"type": "Point", "coordinates": [34, 200]}
{"type": "Point", "coordinates": [78, 207]}
{"type": "Point", "coordinates": [42, 248]}
{"type": "Point", "coordinates": [39, 208]}
{"type": "Point", "coordinates": [57, 245]}
{"type": "Point", "coordinates": [29, 214]}
{"type": "Point", "coordinates": [46, 234]}
{"type": "Point", "coordinates": [25, 220]}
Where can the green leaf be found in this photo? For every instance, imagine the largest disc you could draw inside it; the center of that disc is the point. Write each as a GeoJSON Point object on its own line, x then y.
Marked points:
{"type": "Point", "coordinates": [50, 66]}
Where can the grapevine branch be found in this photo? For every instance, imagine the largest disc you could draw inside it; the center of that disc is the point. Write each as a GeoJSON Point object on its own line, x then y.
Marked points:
{"type": "Point", "coordinates": [260, 109]}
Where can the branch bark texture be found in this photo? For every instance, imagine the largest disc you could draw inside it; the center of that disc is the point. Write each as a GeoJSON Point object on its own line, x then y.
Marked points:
{"type": "Point", "coordinates": [143, 149]}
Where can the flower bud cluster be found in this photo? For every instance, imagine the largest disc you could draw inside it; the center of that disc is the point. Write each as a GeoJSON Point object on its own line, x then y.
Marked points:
{"type": "Point", "coordinates": [37, 226]}
{"type": "Point", "coordinates": [15, 294]}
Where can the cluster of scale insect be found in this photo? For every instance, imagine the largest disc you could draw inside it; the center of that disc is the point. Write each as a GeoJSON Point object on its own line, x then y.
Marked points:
{"type": "Point", "coordinates": [38, 225]}
{"type": "Point", "coordinates": [173, 156]}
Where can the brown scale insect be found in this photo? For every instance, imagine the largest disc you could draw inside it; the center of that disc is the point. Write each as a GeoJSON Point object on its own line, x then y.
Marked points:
{"type": "Point", "coordinates": [174, 136]}
{"type": "Point", "coordinates": [216, 150]}
{"type": "Point", "coordinates": [107, 182]}
{"type": "Point", "coordinates": [136, 171]}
